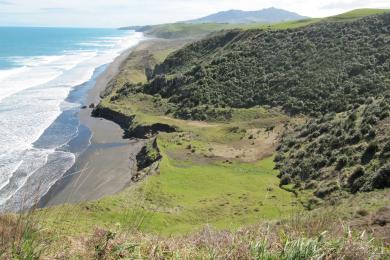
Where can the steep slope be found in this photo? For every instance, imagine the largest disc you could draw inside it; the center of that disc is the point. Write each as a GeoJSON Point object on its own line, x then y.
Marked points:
{"type": "Point", "coordinates": [336, 153]}
{"type": "Point", "coordinates": [269, 15]}
{"type": "Point", "coordinates": [324, 67]}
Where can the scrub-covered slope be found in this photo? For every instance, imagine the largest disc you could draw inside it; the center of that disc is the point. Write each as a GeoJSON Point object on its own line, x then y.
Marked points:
{"type": "Point", "coordinates": [324, 67]}
{"type": "Point", "coordinates": [336, 153]}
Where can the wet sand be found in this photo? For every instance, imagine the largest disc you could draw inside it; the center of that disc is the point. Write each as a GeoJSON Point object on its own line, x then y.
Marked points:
{"type": "Point", "coordinates": [106, 167]}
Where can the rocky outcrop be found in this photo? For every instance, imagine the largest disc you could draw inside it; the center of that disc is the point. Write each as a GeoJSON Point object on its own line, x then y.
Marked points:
{"type": "Point", "coordinates": [148, 131]}
{"type": "Point", "coordinates": [127, 123]}
{"type": "Point", "coordinates": [122, 120]}
{"type": "Point", "coordinates": [147, 160]}
{"type": "Point", "coordinates": [148, 155]}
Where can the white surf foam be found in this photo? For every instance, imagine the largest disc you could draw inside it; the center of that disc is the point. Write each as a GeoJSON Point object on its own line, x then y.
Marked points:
{"type": "Point", "coordinates": [31, 98]}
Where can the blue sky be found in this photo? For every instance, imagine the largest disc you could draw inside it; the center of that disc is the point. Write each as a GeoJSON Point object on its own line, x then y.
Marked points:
{"type": "Point", "coordinates": [115, 13]}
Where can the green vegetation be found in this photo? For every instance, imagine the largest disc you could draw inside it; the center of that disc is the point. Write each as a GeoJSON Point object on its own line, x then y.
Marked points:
{"type": "Point", "coordinates": [142, 59]}
{"type": "Point", "coordinates": [183, 30]}
{"type": "Point", "coordinates": [190, 30]}
{"type": "Point", "coordinates": [196, 31]}
{"type": "Point", "coordinates": [193, 187]}
{"type": "Point", "coordinates": [334, 232]}
{"type": "Point", "coordinates": [223, 187]}
{"type": "Point", "coordinates": [295, 69]}
{"type": "Point", "coordinates": [354, 146]}
{"type": "Point", "coordinates": [358, 13]}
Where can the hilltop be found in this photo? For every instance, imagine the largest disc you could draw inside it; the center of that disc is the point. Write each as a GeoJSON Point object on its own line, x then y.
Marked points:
{"type": "Point", "coordinates": [268, 15]}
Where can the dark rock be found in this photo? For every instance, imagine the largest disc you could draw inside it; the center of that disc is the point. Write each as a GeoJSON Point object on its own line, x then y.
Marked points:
{"type": "Point", "coordinates": [148, 155]}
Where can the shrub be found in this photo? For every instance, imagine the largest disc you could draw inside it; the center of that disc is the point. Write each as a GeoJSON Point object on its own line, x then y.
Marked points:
{"type": "Point", "coordinates": [285, 180]}
{"type": "Point", "coordinates": [382, 178]}
{"type": "Point", "coordinates": [341, 162]}
{"type": "Point", "coordinates": [370, 152]}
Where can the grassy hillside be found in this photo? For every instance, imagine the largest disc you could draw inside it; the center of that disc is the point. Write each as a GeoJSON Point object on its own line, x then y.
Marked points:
{"type": "Point", "coordinates": [358, 13]}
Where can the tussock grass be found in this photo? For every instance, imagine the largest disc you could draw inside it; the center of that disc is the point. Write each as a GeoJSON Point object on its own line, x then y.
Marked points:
{"type": "Point", "coordinates": [20, 237]}
{"type": "Point", "coordinates": [261, 241]}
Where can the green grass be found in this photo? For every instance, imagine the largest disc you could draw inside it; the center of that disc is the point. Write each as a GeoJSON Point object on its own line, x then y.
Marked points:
{"type": "Point", "coordinates": [358, 13]}
{"type": "Point", "coordinates": [188, 193]}
{"type": "Point", "coordinates": [182, 30]}
{"type": "Point", "coordinates": [183, 198]}
{"type": "Point", "coordinates": [225, 196]}
{"type": "Point", "coordinates": [285, 25]}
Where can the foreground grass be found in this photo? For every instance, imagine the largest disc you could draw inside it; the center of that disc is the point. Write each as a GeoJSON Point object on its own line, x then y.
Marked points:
{"type": "Point", "coordinates": [321, 234]}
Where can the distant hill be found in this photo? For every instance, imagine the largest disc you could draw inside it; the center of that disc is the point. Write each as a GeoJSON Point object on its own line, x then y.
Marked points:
{"type": "Point", "coordinates": [269, 15]}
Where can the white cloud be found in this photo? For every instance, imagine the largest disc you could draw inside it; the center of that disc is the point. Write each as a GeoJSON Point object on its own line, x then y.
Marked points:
{"type": "Point", "coordinates": [114, 13]}
{"type": "Point", "coordinates": [351, 4]}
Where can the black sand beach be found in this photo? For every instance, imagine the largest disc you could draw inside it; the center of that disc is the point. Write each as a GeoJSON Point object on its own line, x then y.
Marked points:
{"type": "Point", "coordinates": [106, 166]}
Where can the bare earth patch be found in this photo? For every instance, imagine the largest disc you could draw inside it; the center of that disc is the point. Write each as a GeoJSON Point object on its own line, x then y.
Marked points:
{"type": "Point", "coordinates": [256, 145]}
{"type": "Point", "coordinates": [201, 124]}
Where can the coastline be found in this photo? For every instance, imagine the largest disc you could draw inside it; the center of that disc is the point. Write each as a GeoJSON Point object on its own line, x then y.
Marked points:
{"type": "Point", "coordinates": [108, 164]}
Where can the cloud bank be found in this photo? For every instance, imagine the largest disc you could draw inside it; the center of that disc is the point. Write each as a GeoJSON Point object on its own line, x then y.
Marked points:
{"type": "Point", "coordinates": [115, 13]}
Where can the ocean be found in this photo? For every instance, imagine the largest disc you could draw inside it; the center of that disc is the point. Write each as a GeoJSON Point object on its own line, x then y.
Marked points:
{"type": "Point", "coordinates": [45, 74]}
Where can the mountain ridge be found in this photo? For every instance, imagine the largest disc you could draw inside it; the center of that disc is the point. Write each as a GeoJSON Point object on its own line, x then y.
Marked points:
{"type": "Point", "coordinates": [267, 15]}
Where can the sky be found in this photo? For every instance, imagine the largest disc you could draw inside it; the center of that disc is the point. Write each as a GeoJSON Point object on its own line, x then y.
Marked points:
{"type": "Point", "coordinates": [116, 13]}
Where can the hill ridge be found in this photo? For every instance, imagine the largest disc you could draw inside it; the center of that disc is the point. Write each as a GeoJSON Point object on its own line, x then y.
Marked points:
{"type": "Point", "coordinates": [267, 15]}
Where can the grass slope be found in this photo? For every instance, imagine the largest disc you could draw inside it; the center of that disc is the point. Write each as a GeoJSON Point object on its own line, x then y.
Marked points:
{"type": "Point", "coordinates": [185, 196]}
{"type": "Point", "coordinates": [358, 13]}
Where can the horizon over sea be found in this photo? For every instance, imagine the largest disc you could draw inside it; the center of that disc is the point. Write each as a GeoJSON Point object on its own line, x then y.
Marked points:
{"type": "Point", "coordinates": [45, 73]}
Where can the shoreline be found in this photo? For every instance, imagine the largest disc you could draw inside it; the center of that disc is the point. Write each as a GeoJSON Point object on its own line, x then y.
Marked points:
{"type": "Point", "coordinates": [108, 164]}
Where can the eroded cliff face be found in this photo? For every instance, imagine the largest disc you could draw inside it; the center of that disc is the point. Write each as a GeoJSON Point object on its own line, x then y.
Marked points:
{"type": "Point", "coordinates": [148, 131]}
{"type": "Point", "coordinates": [129, 125]}
{"type": "Point", "coordinates": [121, 119]}
{"type": "Point", "coordinates": [149, 156]}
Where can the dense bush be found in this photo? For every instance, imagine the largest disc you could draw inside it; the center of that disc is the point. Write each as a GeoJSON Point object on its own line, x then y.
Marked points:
{"type": "Point", "coordinates": [325, 67]}
{"type": "Point", "coordinates": [332, 148]}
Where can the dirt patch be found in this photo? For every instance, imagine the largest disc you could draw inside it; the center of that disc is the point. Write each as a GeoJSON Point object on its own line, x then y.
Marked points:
{"type": "Point", "coordinates": [186, 155]}
{"type": "Point", "coordinates": [257, 144]}
{"type": "Point", "coordinates": [377, 224]}
{"type": "Point", "coordinates": [201, 124]}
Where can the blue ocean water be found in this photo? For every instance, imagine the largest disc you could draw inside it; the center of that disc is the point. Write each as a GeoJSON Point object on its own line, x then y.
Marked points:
{"type": "Point", "coordinates": [31, 42]}
{"type": "Point", "coordinates": [44, 75]}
